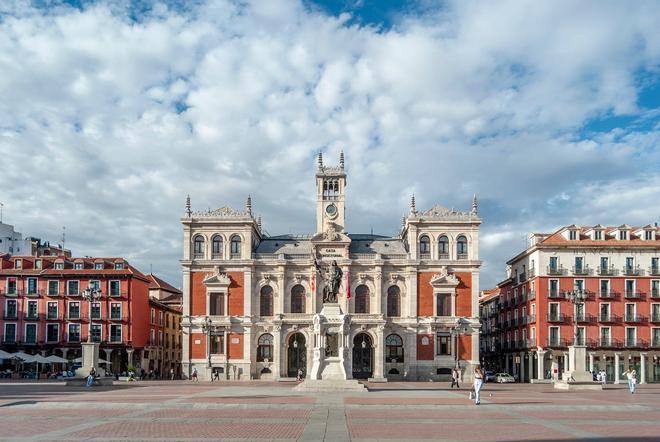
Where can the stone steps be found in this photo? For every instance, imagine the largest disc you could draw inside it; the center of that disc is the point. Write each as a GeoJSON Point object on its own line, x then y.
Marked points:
{"type": "Point", "coordinates": [330, 385]}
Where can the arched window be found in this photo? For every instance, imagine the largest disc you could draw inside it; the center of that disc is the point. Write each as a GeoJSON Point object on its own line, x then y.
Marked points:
{"type": "Point", "coordinates": [443, 247]}
{"type": "Point", "coordinates": [461, 247]}
{"type": "Point", "coordinates": [265, 348]}
{"type": "Point", "coordinates": [298, 299]}
{"type": "Point", "coordinates": [266, 301]}
{"type": "Point", "coordinates": [198, 248]}
{"type": "Point", "coordinates": [393, 301]}
{"type": "Point", "coordinates": [362, 299]}
{"type": "Point", "coordinates": [235, 246]}
{"type": "Point", "coordinates": [394, 348]}
{"type": "Point", "coordinates": [216, 249]}
{"type": "Point", "coordinates": [424, 246]}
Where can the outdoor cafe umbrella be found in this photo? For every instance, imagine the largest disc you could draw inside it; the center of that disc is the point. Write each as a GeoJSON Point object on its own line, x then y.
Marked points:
{"type": "Point", "coordinates": [5, 355]}
{"type": "Point", "coordinates": [56, 359]}
{"type": "Point", "coordinates": [101, 361]}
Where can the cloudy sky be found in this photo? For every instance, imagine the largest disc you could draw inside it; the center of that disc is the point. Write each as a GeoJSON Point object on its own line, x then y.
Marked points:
{"type": "Point", "coordinates": [111, 112]}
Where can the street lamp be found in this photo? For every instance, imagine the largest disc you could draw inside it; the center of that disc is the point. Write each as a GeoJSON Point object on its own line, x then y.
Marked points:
{"type": "Point", "coordinates": [577, 296]}
{"type": "Point", "coordinates": [461, 328]}
{"type": "Point", "coordinates": [91, 294]}
{"type": "Point", "coordinates": [206, 328]}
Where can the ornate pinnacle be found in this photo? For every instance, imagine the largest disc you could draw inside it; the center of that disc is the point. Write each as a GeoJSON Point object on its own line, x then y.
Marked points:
{"type": "Point", "coordinates": [319, 161]}
{"type": "Point", "coordinates": [403, 222]}
{"type": "Point", "coordinates": [475, 204]}
{"type": "Point", "coordinates": [259, 222]}
{"type": "Point", "coordinates": [413, 208]}
{"type": "Point", "coordinates": [248, 205]}
{"type": "Point", "coordinates": [341, 159]}
{"type": "Point", "coordinates": [188, 211]}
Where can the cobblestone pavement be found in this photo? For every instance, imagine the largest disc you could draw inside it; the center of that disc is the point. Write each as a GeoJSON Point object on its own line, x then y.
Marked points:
{"type": "Point", "coordinates": [273, 411]}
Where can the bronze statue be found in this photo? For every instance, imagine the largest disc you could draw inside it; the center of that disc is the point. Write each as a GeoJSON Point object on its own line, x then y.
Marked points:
{"type": "Point", "coordinates": [332, 281]}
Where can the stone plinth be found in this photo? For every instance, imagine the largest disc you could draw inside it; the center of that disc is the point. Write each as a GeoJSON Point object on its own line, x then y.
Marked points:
{"type": "Point", "coordinates": [90, 358]}
{"type": "Point", "coordinates": [330, 345]}
{"type": "Point", "coordinates": [578, 378]}
{"type": "Point", "coordinates": [330, 385]}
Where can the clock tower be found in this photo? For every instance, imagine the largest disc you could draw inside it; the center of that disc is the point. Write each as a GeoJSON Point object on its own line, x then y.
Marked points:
{"type": "Point", "coordinates": [330, 195]}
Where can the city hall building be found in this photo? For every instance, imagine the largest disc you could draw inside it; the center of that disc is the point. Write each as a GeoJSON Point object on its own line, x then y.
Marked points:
{"type": "Point", "coordinates": [255, 306]}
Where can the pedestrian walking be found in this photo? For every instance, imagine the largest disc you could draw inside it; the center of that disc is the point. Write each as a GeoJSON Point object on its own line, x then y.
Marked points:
{"type": "Point", "coordinates": [215, 376]}
{"type": "Point", "coordinates": [603, 377]}
{"type": "Point", "coordinates": [171, 374]}
{"type": "Point", "coordinates": [299, 374]}
{"type": "Point", "coordinates": [455, 376]}
{"type": "Point", "coordinates": [478, 383]}
{"type": "Point", "coordinates": [631, 376]}
{"type": "Point", "coordinates": [194, 375]}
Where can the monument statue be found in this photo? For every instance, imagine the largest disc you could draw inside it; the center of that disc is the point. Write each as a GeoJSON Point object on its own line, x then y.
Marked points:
{"type": "Point", "coordinates": [331, 281]}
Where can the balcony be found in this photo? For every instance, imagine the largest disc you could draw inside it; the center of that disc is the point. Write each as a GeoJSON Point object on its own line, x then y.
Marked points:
{"type": "Point", "coordinates": [583, 270]}
{"type": "Point", "coordinates": [586, 318]}
{"type": "Point", "coordinates": [51, 317]}
{"type": "Point", "coordinates": [443, 256]}
{"type": "Point", "coordinates": [31, 316]}
{"type": "Point", "coordinates": [610, 343]}
{"type": "Point", "coordinates": [607, 294]}
{"type": "Point", "coordinates": [655, 317]}
{"type": "Point", "coordinates": [558, 317]}
{"type": "Point", "coordinates": [633, 295]}
{"type": "Point", "coordinates": [557, 271]}
{"type": "Point", "coordinates": [607, 271]}
{"type": "Point", "coordinates": [522, 277]}
{"type": "Point", "coordinates": [10, 315]}
{"type": "Point", "coordinates": [531, 272]}
{"type": "Point", "coordinates": [555, 294]}
{"type": "Point", "coordinates": [655, 293]}
{"type": "Point", "coordinates": [531, 319]}
{"type": "Point", "coordinates": [531, 295]}
{"type": "Point", "coordinates": [609, 318]}
{"type": "Point", "coordinates": [9, 293]}
{"type": "Point", "coordinates": [9, 340]}
{"type": "Point", "coordinates": [462, 256]}
{"type": "Point", "coordinates": [633, 271]}
{"type": "Point", "coordinates": [634, 318]}
{"type": "Point", "coordinates": [654, 271]}
{"type": "Point", "coordinates": [33, 293]}
{"type": "Point", "coordinates": [639, 343]}
{"type": "Point", "coordinates": [424, 255]}
{"type": "Point", "coordinates": [558, 342]}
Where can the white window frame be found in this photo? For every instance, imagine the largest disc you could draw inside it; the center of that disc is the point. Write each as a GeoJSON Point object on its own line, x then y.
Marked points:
{"type": "Point", "coordinates": [58, 332]}
{"type": "Point", "coordinates": [118, 287]}
{"type": "Point", "coordinates": [67, 287]}
{"type": "Point", "coordinates": [625, 335]}
{"type": "Point", "coordinates": [600, 334]}
{"type": "Point", "coordinates": [100, 310]}
{"type": "Point", "coordinates": [7, 301]}
{"type": "Point", "coordinates": [97, 285]}
{"type": "Point", "coordinates": [121, 333]}
{"type": "Point", "coordinates": [119, 266]}
{"type": "Point", "coordinates": [96, 324]}
{"type": "Point", "coordinates": [550, 285]}
{"type": "Point", "coordinates": [609, 285]}
{"type": "Point", "coordinates": [37, 264]}
{"type": "Point", "coordinates": [59, 266]}
{"type": "Point", "coordinates": [120, 311]}
{"type": "Point", "coordinates": [152, 316]}
{"type": "Point", "coordinates": [550, 327]}
{"type": "Point", "coordinates": [575, 283]}
{"type": "Point", "coordinates": [57, 310]}
{"type": "Point", "coordinates": [152, 337]}
{"type": "Point", "coordinates": [558, 304]}
{"type": "Point", "coordinates": [27, 310]}
{"type": "Point", "coordinates": [68, 311]}
{"type": "Point", "coordinates": [98, 266]}
{"type": "Point", "coordinates": [36, 286]}
{"type": "Point", "coordinates": [18, 264]}
{"type": "Point", "coordinates": [36, 332]}
{"type": "Point", "coordinates": [58, 287]}
{"type": "Point", "coordinates": [68, 331]}
{"type": "Point", "coordinates": [4, 336]}
{"type": "Point", "coordinates": [533, 309]}
{"type": "Point", "coordinates": [15, 292]}
{"type": "Point", "coordinates": [625, 309]}
{"type": "Point", "coordinates": [609, 309]}
{"type": "Point", "coordinates": [78, 266]}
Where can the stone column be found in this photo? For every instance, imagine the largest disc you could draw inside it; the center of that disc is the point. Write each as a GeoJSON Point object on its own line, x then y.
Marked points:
{"type": "Point", "coordinates": [521, 376]}
{"type": "Point", "coordinates": [247, 294]}
{"type": "Point", "coordinates": [378, 285]}
{"type": "Point", "coordinates": [591, 361]}
{"type": "Point", "coordinates": [130, 351]}
{"type": "Point", "coordinates": [617, 355]}
{"type": "Point", "coordinates": [506, 363]}
{"type": "Point", "coordinates": [642, 368]}
{"type": "Point", "coordinates": [108, 354]}
{"type": "Point", "coordinates": [379, 353]}
{"type": "Point", "coordinates": [530, 366]}
{"type": "Point", "coordinates": [566, 366]}
{"type": "Point", "coordinates": [540, 368]}
{"type": "Point", "coordinates": [277, 351]}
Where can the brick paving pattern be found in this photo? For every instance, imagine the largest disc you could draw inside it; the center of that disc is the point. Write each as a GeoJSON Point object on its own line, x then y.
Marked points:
{"type": "Point", "coordinates": [273, 411]}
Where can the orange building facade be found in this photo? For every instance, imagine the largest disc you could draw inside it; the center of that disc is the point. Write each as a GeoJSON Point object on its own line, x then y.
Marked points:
{"type": "Point", "coordinates": [528, 318]}
{"type": "Point", "coordinates": [252, 302]}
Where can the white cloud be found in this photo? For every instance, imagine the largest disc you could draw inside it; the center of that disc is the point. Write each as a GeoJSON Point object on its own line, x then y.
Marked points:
{"type": "Point", "coordinates": [106, 124]}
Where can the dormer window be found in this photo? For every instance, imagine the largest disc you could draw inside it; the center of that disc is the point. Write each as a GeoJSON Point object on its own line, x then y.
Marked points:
{"type": "Point", "coordinates": [598, 235]}
{"type": "Point", "coordinates": [648, 235]}
{"type": "Point", "coordinates": [572, 235]}
{"type": "Point", "coordinates": [78, 266]}
{"type": "Point", "coordinates": [37, 264]}
{"type": "Point", "coordinates": [119, 266]}
{"type": "Point", "coordinates": [18, 264]}
{"type": "Point", "coordinates": [98, 266]}
{"type": "Point", "coordinates": [59, 266]}
{"type": "Point", "coordinates": [623, 235]}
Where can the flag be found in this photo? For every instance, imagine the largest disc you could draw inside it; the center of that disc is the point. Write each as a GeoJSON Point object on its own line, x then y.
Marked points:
{"type": "Point", "coordinates": [313, 283]}
{"type": "Point", "coordinates": [348, 285]}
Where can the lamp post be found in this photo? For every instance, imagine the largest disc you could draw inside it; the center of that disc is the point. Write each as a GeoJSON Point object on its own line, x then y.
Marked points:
{"type": "Point", "coordinates": [576, 297]}
{"type": "Point", "coordinates": [206, 328]}
{"type": "Point", "coordinates": [90, 349]}
{"type": "Point", "coordinates": [461, 328]}
{"type": "Point", "coordinates": [91, 294]}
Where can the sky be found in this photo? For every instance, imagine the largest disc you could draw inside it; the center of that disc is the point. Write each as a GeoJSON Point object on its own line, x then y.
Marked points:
{"type": "Point", "coordinates": [112, 112]}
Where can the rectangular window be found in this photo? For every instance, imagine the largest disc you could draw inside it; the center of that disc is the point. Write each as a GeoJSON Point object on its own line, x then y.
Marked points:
{"type": "Point", "coordinates": [579, 284]}
{"type": "Point", "coordinates": [630, 287]}
{"type": "Point", "coordinates": [152, 337]}
{"type": "Point", "coordinates": [12, 288]}
{"type": "Point", "coordinates": [554, 311]}
{"type": "Point", "coordinates": [78, 266]}
{"type": "Point", "coordinates": [630, 263]}
{"type": "Point", "coordinates": [217, 304]}
{"type": "Point", "coordinates": [115, 333]}
{"type": "Point", "coordinates": [95, 330]}
{"type": "Point", "coordinates": [579, 264]}
{"type": "Point", "coordinates": [655, 312]}
{"type": "Point", "coordinates": [631, 312]}
{"type": "Point", "coordinates": [554, 336]}
{"type": "Point", "coordinates": [18, 264]}
{"type": "Point", "coordinates": [648, 235]}
{"type": "Point", "coordinates": [554, 288]}
{"type": "Point", "coordinates": [51, 312]}
{"type": "Point", "coordinates": [59, 266]}
{"type": "Point", "coordinates": [152, 316]}
{"type": "Point", "coordinates": [98, 266]}
{"type": "Point", "coordinates": [160, 318]}
{"type": "Point", "coordinates": [115, 288]}
{"type": "Point", "coordinates": [32, 312]}
{"type": "Point", "coordinates": [37, 264]}
{"type": "Point", "coordinates": [623, 235]}
{"type": "Point", "coordinates": [96, 310]}
{"type": "Point", "coordinates": [53, 288]}
{"type": "Point", "coordinates": [217, 344]}
{"type": "Point", "coordinates": [10, 333]}
{"type": "Point", "coordinates": [655, 288]}
{"type": "Point", "coordinates": [579, 310]}
{"type": "Point", "coordinates": [115, 311]}
{"type": "Point", "coordinates": [655, 336]}
{"type": "Point", "coordinates": [73, 288]}
{"type": "Point", "coordinates": [572, 234]}
{"type": "Point", "coordinates": [533, 309]}
{"type": "Point", "coordinates": [605, 335]}
{"type": "Point", "coordinates": [52, 333]}
{"type": "Point", "coordinates": [11, 311]}
{"type": "Point", "coordinates": [160, 337]}
{"type": "Point", "coordinates": [655, 266]}
{"type": "Point", "coordinates": [604, 264]}
{"type": "Point", "coordinates": [95, 284]}
{"type": "Point", "coordinates": [119, 266]}
{"type": "Point", "coordinates": [74, 332]}
{"type": "Point", "coordinates": [443, 345]}
{"type": "Point", "coordinates": [554, 263]}
{"type": "Point", "coordinates": [598, 235]}
{"type": "Point", "coordinates": [443, 307]}
{"type": "Point", "coordinates": [74, 310]}
{"type": "Point", "coordinates": [32, 286]}
{"type": "Point", "coordinates": [604, 287]}
{"type": "Point", "coordinates": [580, 336]}
{"type": "Point", "coordinates": [604, 312]}
{"type": "Point", "coordinates": [30, 333]}
{"type": "Point", "coordinates": [631, 336]}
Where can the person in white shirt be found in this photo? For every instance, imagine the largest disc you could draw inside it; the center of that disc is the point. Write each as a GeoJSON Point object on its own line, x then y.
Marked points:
{"type": "Point", "coordinates": [631, 376]}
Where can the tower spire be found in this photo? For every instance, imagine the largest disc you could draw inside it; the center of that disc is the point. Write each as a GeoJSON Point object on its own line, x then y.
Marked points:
{"type": "Point", "coordinates": [413, 208]}
{"type": "Point", "coordinates": [403, 222]}
{"type": "Point", "coordinates": [248, 205]}
{"type": "Point", "coordinates": [188, 211]}
{"type": "Point", "coordinates": [319, 161]}
{"type": "Point", "coordinates": [259, 222]}
{"type": "Point", "coordinates": [475, 204]}
{"type": "Point", "coordinates": [341, 159]}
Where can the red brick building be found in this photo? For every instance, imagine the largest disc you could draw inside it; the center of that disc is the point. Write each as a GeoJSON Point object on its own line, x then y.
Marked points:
{"type": "Point", "coordinates": [528, 318]}
{"type": "Point", "coordinates": [42, 309]}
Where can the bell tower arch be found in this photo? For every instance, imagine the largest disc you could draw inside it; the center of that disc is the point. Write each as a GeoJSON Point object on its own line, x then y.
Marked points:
{"type": "Point", "coordinates": [330, 195]}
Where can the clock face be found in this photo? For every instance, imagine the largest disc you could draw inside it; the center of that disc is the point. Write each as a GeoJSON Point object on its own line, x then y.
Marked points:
{"type": "Point", "coordinates": [331, 210]}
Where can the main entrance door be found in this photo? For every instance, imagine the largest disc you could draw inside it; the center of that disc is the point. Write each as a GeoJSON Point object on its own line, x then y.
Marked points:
{"type": "Point", "coordinates": [362, 356]}
{"type": "Point", "coordinates": [296, 355]}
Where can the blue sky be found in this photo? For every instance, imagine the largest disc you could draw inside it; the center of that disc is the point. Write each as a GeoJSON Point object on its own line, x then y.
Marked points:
{"type": "Point", "coordinates": [113, 111]}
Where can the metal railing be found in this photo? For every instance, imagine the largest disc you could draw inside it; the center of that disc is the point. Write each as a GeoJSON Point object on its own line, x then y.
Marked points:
{"type": "Point", "coordinates": [606, 294]}
{"type": "Point", "coordinates": [558, 317]}
{"type": "Point", "coordinates": [610, 343]}
{"type": "Point", "coordinates": [531, 272]}
{"type": "Point", "coordinates": [633, 294]}
{"type": "Point", "coordinates": [584, 270]}
{"type": "Point", "coordinates": [634, 318]}
{"type": "Point", "coordinates": [462, 256]}
{"type": "Point", "coordinates": [607, 271]}
{"type": "Point", "coordinates": [654, 271]}
{"type": "Point", "coordinates": [559, 270]}
{"type": "Point", "coordinates": [555, 294]}
{"type": "Point", "coordinates": [633, 271]}
{"type": "Point", "coordinates": [443, 256]}
{"type": "Point", "coordinates": [609, 318]}
{"type": "Point", "coordinates": [586, 318]}
{"type": "Point", "coordinates": [531, 295]}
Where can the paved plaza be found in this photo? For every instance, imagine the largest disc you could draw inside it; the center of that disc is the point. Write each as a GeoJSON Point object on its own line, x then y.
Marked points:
{"type": "Point", "coordinates": [273, 411]}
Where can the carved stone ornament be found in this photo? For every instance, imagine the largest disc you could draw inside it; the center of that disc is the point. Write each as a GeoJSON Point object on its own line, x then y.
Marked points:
{"type": "Point", "coordinates": [440, 212]}
{"type": "Point", "coordinates": [266, 277]}
{"type": "Point", "coordinates": [294, 328]}
{"type": "Point", "coordinates": [394, 277]}
{"type": "Point", "coordinates": [298, 277]}
{"type": "Point", "coordinates": [362, 277]}
{"type": "Point", "coordinates": [363, 327]}
{"type": "Point", "coordinates": [440, 279]}
{"type": "Point", "coordinates": [222, 212]}
{"type": "Point", "coordinates": [217, 279]}
{"type": "Point", "coordinates": [331, 232]}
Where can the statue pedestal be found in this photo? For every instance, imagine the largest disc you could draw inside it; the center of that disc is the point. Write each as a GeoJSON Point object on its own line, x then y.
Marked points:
{"type": "Point", "coordinates": [90, 358]}
{"type": "Point", "coordinates": [577, 378]}
{"type": "Point", "coordinates": [330, 357]}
